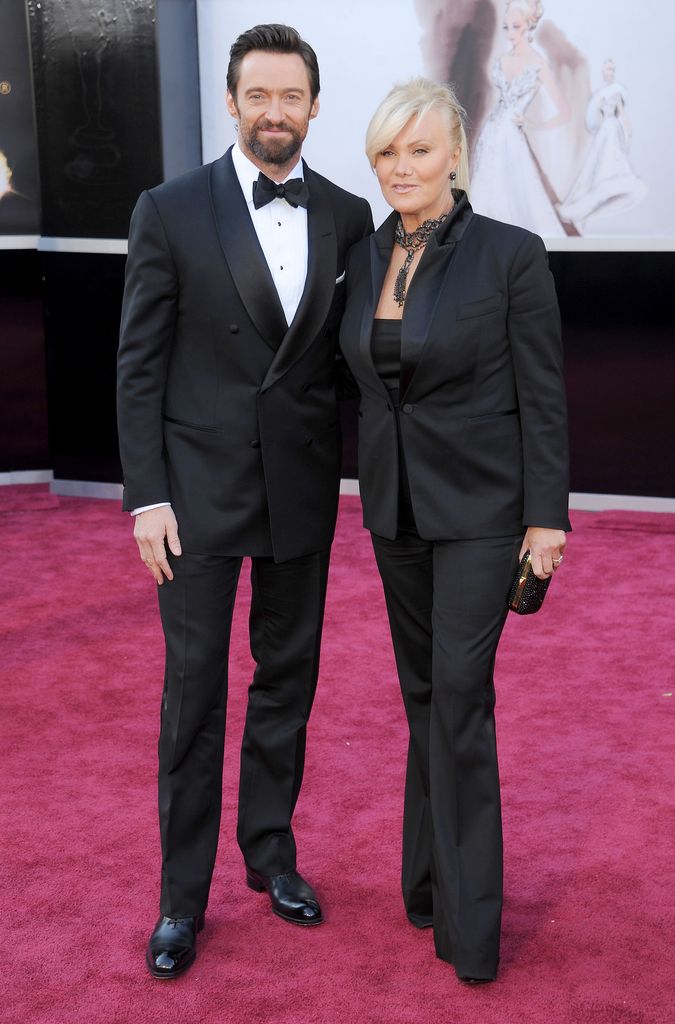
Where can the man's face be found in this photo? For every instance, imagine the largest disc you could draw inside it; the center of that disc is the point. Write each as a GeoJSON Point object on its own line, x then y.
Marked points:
{"type": "Point", "coordinates": [273, 106]}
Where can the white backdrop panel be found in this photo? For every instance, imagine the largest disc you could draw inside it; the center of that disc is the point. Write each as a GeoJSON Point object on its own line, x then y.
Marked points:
{"type": "Point", "coordinates": [365, 47]}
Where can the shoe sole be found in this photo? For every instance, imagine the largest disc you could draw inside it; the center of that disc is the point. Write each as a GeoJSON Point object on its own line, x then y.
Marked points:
{"type": "Point", "coordinates": [257, 887]}
{"type": "Point", "coordinates": [294, 920]}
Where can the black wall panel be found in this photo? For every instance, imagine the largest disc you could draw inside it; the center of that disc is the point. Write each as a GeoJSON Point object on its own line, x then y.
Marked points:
{"type": "Point", "coordinates": [97, 105]}
{"type": "Point", "coordinates": [618, 311]}
{"type": "Point", "coordinates": [620, 367]}
{"type": "Point", "coordinates": [23, 393]}
{"type": "Point", "coordinates": [83, 297]}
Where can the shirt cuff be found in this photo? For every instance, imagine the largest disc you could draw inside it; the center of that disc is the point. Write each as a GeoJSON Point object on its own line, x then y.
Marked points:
{"type": "Point", "coordinates": [146, 508]}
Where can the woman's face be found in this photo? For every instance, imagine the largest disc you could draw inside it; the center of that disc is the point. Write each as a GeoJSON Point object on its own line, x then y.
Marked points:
{"type": "Point", "coordinates": [515, 24]}
{"type": "Point", "coordinates": [413, 170]}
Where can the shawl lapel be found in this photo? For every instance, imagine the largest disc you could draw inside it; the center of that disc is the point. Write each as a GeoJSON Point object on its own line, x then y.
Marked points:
{"type": "Point", "coordinates": [319, 286]}
{"type": "Point", "coordinates": [243, 253]}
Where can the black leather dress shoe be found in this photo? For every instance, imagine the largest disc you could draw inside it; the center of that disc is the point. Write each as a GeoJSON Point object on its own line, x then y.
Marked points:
{"type": "Point", "coordinates": [292, 898]}
{"type": "Point", "coordinates": [171, 948]}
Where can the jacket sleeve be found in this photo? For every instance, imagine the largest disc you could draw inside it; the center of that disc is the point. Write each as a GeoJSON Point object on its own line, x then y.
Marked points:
{"type": "Point", "coordinates": [535, 338]}
{"type": "Point", "coordinates": [148, 317]}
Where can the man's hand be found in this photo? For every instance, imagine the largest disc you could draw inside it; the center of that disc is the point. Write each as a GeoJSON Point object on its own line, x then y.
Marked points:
{"type": "Point", "coordinates": [150, 529]}
{"type": "Point", "coordinates": [546, 547]}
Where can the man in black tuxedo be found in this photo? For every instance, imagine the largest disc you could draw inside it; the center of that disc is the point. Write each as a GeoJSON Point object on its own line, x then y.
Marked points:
{"type": "Point", "coordinates": [229, 439]}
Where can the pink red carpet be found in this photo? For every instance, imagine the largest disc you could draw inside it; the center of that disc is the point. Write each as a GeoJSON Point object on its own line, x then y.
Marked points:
{"type": "Point", "coordinates": [587, 748]}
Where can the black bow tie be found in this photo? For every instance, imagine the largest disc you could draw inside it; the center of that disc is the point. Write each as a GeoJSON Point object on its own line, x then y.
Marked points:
{"type": "Point", "coordinates": [295, 192]}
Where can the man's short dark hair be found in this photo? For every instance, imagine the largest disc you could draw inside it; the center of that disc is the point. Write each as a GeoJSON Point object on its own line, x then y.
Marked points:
{"type": "Point", "coordinates": [272, 39]}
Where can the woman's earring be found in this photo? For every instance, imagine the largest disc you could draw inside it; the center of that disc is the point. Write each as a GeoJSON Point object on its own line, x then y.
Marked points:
{"type": "Point", "coordinates": [452, 175]}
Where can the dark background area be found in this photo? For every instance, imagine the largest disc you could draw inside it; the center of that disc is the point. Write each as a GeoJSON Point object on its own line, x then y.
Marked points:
{"type": "Point", "coordinates": [59, 311]}
{"type": "Point", "coordinates": [24, 438]}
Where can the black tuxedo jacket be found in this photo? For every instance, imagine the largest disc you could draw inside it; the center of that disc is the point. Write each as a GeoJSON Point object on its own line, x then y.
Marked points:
{"type": "Point", "coordinates": [482, 400]}
{"type": "Point", "coordinates": [223, 410]}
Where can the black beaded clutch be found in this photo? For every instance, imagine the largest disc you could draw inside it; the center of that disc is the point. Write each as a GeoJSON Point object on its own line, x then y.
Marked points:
{"type": "Point", "coordinates": [527, 590]}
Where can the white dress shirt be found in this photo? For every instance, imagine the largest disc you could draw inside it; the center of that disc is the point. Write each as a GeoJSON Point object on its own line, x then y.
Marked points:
{"type": "Point", "coordinates": [282, 233]}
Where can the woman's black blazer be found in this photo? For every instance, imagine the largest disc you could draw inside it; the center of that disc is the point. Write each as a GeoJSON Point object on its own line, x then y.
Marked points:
{"type": "Point", "coordinates": [482, 398]}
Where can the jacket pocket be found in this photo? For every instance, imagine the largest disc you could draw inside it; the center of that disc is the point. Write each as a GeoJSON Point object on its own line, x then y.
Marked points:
{"type": "Point", "coordinates": [481, 307]}
{"type": "Point", "coordinates": [193, 426]}
{"type": "Point", "coordinates": [492, 416]}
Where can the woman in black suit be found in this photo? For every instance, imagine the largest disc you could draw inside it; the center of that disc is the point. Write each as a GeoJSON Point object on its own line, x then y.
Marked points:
{"type": "Point", "coordinates": [452, 331]}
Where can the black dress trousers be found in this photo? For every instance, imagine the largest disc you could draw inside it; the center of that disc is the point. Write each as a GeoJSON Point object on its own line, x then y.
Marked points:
{"type": "Point", "coordinates": [447, 604]}
{"type": "Point", "coordinates": [285, 631]}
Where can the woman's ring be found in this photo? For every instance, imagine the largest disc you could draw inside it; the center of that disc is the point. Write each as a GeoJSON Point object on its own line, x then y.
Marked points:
{"type": "Point", "coordinates": [557, 561]}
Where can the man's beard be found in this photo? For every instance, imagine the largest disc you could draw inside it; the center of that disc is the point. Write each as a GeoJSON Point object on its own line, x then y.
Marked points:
{"type": "Point", "coordinates": [272, 151]}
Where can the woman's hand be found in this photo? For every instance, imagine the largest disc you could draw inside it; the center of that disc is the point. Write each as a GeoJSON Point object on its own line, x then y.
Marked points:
{"type": "Point", "coordinates": [546, 547]}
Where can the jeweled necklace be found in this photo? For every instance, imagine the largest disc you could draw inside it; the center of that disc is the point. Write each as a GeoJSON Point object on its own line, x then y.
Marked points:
{"type": "Point", "coordinates": [412, 242]}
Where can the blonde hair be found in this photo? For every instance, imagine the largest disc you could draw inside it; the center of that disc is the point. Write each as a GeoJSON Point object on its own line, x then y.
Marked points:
{"type": "Point", "coordinates": [532, 9]}
{"type": "Point", "coordinates": [415, 99]}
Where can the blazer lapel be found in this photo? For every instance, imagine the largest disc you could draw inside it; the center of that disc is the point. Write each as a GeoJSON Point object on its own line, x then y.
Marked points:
{"type": "Point", "coordinates": [381, 244]}
{"type": "Point", "coordinates": [242, 251]}
{"type": "Point", "coordinates": [319, 285]}
{"type": "Point", "coordinates": [428, 284]}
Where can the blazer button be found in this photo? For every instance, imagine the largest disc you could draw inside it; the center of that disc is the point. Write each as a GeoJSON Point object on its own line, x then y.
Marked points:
{"type": "Point", "coordinates": [309, 442]}
{"type": "Point", "coordinates": [407, 408]}
{"type": "Point", "coordinates": [306, 388]}
{"type": "Point", "coordinates": [234, 328]}
{"type": "Point", "coordinates": [254, 444]}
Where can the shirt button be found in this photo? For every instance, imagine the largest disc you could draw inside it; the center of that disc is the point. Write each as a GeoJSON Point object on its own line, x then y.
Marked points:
{"type": "Point", "coordinates": [407, 408]}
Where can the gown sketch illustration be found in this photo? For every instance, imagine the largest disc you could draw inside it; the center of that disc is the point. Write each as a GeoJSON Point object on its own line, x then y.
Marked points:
{"type": "Point", "coordinates": [606, 180]}
{"type": "Point", "coordinates": [506, 183]}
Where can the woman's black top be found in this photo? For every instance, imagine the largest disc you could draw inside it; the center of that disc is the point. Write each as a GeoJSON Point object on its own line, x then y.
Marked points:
{"type": "Point", "coordinates": [385, 347]}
